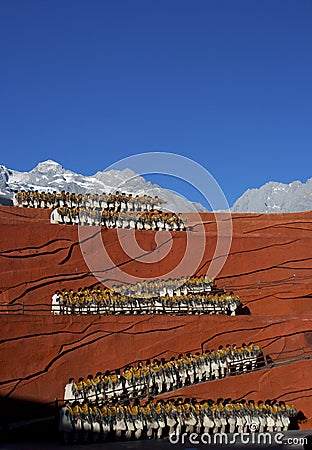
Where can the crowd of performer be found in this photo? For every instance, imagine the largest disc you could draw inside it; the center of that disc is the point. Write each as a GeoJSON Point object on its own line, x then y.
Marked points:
{"type": "Point", "coordinates": [107, 301]}
{"type": "Point", "coordinates": [155, 220]}
{"type": "Point", "coordinates": [112, 202]}
{"type": "Point", "coordinates": [158, 418]}
{"type": "Point", "coordinates": [117, 210]}
{"type": "Point", "coordinates": [171, 286]}
{"type": "Point", "coordinates": [159, 376]}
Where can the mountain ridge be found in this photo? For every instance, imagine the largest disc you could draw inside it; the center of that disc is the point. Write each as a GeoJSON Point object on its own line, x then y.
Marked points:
{"type": "Point", "coordinates": [276, 197]}
{"type": "Point", "coordinates": [49, 175]}
{"type": "Point", "coordinates": [272, 197]}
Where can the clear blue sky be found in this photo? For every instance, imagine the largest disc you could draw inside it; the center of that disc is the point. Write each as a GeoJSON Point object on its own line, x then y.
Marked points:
{"type": "Point", "coordinates": [227, 83]}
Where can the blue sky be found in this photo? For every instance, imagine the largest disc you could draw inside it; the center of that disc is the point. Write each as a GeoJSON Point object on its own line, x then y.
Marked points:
{"type": "Point", "coordinates": [227, 83]}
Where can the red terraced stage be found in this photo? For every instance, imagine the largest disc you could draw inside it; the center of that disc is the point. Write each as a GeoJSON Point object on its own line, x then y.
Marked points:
{"type": "Point", "coordinates": [269, 267]}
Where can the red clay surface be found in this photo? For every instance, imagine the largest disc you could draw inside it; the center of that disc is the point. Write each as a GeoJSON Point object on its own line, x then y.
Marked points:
{"type": "Point", "coordinates": [269, 266]}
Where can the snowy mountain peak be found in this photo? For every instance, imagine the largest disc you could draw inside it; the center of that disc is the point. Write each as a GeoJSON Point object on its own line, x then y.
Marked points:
{"type": "Point", "coordinates": [274, 197]}
{"type": "Point", "coordinates": [50, 175]}
{"type": "Point", "coordinates": [48, 165]}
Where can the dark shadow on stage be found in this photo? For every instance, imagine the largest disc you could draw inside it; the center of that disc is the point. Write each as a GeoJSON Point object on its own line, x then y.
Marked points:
{"type": "Point", "coordinates": [23, 420]}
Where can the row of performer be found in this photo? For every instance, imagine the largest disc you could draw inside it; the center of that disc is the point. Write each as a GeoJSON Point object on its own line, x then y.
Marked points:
{"type": "Point", "coordinates": [171, 418]}
{"type": "Point", "coordinates": [113, 304]}
{"type": "Point", "coordinates": [171, 286]}
{"type": "Point", "coordinates": [157, 220]}
{"type": "Point", "coordinates": [159, 376]}
{"type": "Point", "coordinates": [113, 201]}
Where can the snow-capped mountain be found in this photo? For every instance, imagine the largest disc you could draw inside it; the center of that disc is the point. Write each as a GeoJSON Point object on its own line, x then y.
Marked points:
{"type": "Point", "coordinates": [276, 197]}
{"type": "Point", "coordinates": [50, 175]}
{"type": "Point", "coordinates": [272, 197]}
